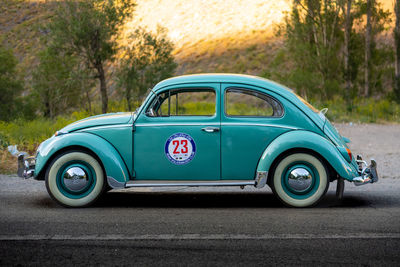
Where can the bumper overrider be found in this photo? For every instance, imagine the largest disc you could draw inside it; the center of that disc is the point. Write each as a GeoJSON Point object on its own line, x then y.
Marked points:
{"type": "Point", "coordinates": [368, 173]}
{"type": "Point", "coordinates": [26, 166]}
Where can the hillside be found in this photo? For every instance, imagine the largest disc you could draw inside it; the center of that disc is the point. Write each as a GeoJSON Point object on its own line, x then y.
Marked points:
{"type": "Point", "coordinates": [209, 35]}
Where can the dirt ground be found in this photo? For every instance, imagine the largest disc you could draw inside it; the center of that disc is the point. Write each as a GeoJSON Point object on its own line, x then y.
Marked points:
{"type": "Point", "coordinates": [377, 141]}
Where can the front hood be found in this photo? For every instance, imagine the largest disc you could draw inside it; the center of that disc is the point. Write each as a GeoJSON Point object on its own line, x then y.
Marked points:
{"type": "Point", "coordinates": [99, 120]}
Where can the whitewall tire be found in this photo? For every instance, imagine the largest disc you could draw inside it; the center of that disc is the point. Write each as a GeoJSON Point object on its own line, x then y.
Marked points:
{"type": "Point", "coordinates": [75, 179]}
{"type": "Point", "coordinates": [300, 180]}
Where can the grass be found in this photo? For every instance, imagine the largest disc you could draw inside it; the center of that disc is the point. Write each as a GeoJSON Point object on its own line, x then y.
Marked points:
{"type": "Point", "coordinates": [361, 110]}
{"type": "Point", "coordinates": [27, 135]}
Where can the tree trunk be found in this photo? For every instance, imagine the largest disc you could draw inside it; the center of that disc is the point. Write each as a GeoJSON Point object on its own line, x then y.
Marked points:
{"type": "Point", "coordinates": [46, 111]}
{"type": "Point", "coordinates": [367, 47]}
{"type": "Point", "coordinates": [88, 101]}
{"type": "Point", "coordinates": [128, 98]}
{"type": "Point", "coordinates": [347, 32]}
{"type": "Point", "coordinates": [397, 50]}
{"type": "Point", "coordinates": [103, 88]}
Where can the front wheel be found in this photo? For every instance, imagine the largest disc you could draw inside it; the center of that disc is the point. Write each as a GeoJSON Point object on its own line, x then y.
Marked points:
{"type": "Point", "coordinates": [75, 179]}
{"type": "Point", "coordinates": [300, 180]}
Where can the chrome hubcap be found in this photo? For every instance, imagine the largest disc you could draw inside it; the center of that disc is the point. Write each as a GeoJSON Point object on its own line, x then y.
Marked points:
{"type": "Point", "coordinates": [75, 179]}
{"type": "Point", "coordinates": [300, 179]}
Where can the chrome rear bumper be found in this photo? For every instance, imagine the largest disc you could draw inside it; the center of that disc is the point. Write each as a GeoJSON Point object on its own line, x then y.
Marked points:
{"type": "Point", "coordinates": [368, 173]}
{"type": "Point", "coordinates": [26, 166]}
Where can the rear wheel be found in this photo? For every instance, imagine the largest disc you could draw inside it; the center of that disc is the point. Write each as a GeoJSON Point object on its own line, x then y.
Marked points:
{"type": "Point", "coordinates": [300, 180]}
{"type": "Point", "coordinates": [75, 179]}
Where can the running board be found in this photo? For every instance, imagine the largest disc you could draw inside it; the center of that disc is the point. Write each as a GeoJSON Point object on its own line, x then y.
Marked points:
{"type": "Point", "coordinates": [152, 183]}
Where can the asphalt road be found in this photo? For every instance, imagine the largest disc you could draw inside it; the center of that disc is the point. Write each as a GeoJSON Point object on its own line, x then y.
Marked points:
{"type": "Point", "coordinates": [201, 226]}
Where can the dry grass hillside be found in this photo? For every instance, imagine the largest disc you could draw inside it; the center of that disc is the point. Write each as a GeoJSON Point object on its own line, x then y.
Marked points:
{"type": "Point", "coordinates": [215, 35]}
{"type": "Point", "coordinates": [209, 35]}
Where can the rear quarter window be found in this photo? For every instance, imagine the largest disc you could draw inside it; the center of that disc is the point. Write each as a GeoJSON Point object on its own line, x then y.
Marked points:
{"type": "Point", "coordinates": [250, 103]}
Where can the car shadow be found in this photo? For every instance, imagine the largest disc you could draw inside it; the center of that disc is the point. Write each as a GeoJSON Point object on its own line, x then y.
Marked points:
{"type": "Point", "coordinates": [214, 200]}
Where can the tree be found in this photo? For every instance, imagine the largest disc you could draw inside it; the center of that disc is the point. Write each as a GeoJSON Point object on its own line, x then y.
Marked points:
{"type": "Point", "coordinates": [89, 29]}
{"type": "Point", "coordinates": [377, 68]}
{"type": "Point", "coordinates": [147, 60]}
{"type": "Point", "coordinates": [313, 33]}
{"type": "Point", "coordinates": [368, 47]}
{"type": "Point", "coordinates": [324, 53]}
{"type": "Point", "coordinates": [10, 86]}
{"type": "Point", "coordinates": [397, 50]}
{"type": "Point", "coordinates": [346, 54]}
{"type": "Point", "coordinates": [55, 83]}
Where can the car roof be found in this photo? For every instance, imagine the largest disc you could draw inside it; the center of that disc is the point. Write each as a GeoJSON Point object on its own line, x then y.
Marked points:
{"type": "Point", "coordinates": [226, 78]}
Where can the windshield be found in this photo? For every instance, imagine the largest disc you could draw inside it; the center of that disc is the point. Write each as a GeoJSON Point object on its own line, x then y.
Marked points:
{"type": "Point", "coordinates": [144, 99]}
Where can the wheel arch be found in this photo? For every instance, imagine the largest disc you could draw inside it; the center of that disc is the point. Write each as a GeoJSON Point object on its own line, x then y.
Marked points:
{"type": "Point", "coordinates": [309, 142]}
{"type": "Point", "coordinates": [42, 172]}
{"type": "Point", "coordinates": [109, 158]}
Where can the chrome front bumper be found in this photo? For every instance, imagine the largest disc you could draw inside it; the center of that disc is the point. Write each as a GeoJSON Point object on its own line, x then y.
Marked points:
{"type": "Point", "coordinates": [368, 173]}
{"type": "Point", "coordinates": [26, 166]}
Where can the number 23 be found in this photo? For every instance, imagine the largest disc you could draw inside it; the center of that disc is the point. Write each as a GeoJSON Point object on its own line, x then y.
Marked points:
{"type": "Point", "coordinates": [183, 143]}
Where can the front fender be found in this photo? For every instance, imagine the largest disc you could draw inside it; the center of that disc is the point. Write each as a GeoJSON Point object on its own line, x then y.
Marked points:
{"type": "Point", "coordinates": [301, 139]}
{"type": "Point", "coordinates": [113, 163]}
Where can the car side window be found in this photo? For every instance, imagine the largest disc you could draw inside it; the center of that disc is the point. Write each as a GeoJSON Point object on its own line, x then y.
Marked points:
{"type": "Point", "coordinates": [245, 102]}
{"type": "Point", "coordinates": [183, 102]}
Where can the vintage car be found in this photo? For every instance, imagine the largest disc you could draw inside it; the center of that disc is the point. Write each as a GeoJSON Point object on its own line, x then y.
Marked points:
{"type": "Point", "coordinates": [202, 130]}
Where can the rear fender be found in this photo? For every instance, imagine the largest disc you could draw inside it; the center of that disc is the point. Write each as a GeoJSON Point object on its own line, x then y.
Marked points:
{"type": "Point", "coordinates": [113, 163]}
{"type": "Point", "coordinates": [307, 140]}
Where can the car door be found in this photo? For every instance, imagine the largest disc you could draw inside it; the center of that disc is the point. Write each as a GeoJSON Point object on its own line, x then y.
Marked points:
{"type": "Point", "coordinates": [177, 136]}
{"type": "Point", "coordinates": [250, 119]}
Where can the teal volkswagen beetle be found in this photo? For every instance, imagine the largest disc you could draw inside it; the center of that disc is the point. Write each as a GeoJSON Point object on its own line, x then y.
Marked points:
{"type": "Point", "coordinates": [202, 130]}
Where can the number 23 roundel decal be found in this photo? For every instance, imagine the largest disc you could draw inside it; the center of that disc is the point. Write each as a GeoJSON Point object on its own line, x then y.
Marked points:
{"type": "Point", "coordinates": [180, 148]}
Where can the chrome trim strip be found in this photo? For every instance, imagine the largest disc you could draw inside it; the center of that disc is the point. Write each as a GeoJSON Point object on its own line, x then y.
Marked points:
{"type": "Point", "coordinates": [175, 124]}
{"type": "Point", "coordinates": [187, 183]}
{"type": "Point", "coordinates": [105, 127]}
{"type": "Point", "coordinates": [257, 124]}
{"type": "Point", "coordinates": [213, 123]}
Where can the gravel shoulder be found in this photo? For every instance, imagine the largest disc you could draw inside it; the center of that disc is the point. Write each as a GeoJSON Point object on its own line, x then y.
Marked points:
{"type": "Point", "coordinates": [377, 141]}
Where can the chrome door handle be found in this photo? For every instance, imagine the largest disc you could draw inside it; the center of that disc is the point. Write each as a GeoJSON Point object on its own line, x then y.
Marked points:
{"type": "Point", "coordinates": [210, 129]}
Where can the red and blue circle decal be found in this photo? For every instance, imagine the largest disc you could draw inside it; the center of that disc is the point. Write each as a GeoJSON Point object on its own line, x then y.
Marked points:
{"type": "Point", "coordinates": [180, 148]}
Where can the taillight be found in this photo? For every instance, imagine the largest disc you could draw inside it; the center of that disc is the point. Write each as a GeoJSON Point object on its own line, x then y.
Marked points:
{"type": "Point", "coordinates": [349, 153]}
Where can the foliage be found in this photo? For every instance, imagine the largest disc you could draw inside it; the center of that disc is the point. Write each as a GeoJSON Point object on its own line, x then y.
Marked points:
{"type": "Point", "coordinates": [89, 30]}
{"type": "Point", "coordinates": [28, 134]}
{"type": "Point", "coordinates": [312, 59]}
{"type": "Point", "coordinates": [313, 39]}
{"type": "Point", "coordinates": [396, 33]}
{"type": "Point", "coordinates": [381, 68]}
{"type": "Point", "coordinates": [147, 60]}
{"type": "Point", "coordinates": [362, 110]}
{"type": "Point", "coordinates": [55, 82]}
{"type": "Point", "coordinates": [10, 86]}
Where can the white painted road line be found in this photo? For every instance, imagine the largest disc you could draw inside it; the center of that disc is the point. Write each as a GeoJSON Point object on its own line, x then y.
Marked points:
{"type": "Point", "coordinates": [198, 237]}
